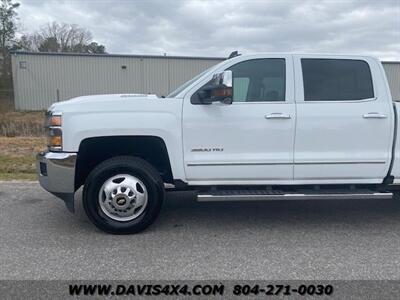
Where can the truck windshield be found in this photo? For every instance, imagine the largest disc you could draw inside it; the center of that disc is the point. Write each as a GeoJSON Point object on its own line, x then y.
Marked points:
{"type": "Point", "coordinates": [187, 83]}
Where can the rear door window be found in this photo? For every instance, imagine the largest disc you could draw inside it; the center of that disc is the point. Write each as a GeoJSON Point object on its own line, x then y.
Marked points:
{"type": "Point", "coordinates": [336, 80]}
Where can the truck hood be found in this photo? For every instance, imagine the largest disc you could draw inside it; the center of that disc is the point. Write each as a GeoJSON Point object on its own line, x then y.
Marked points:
{"type": "Point", "coordinates": [115, 103]}
{"type": "Point", "coordinates": [100, 100]}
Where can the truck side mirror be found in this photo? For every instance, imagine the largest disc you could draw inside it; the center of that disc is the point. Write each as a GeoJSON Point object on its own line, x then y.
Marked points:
{"type": "Point", "coordinates": [219, 88]}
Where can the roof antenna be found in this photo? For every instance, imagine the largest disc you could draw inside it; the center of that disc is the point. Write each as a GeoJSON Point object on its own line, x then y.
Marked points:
{"type": "Point", "coordinates": [233, 54]}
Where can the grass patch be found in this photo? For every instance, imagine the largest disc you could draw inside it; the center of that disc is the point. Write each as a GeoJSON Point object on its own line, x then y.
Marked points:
{"type": "Point", "coordinates": [18, 157]}
{"type": "Point", "coordinates": [21, 138]}
{"type": "Point", "coordinates": [18, 123]}
{"type": "Point", "coordinates": [18, 176]}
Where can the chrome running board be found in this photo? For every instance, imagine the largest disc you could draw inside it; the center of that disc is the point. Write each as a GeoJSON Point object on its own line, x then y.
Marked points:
{"type": "Point", "coordinates": [263, 195]}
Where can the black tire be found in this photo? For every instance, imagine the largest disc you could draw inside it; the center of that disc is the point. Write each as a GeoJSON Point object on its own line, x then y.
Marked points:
{"type": "Point", "coordinates": [127, 165]}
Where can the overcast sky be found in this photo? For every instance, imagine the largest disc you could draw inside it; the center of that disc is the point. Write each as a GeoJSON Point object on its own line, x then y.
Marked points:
{"type": "Point", "coordinates": [215, 28]}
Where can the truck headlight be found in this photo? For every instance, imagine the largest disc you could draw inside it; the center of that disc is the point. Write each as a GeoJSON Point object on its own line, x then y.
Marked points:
{"type": "Point", "coordinates": [54, 132]}
{"type": "Point", "coordinates": [55, 120]}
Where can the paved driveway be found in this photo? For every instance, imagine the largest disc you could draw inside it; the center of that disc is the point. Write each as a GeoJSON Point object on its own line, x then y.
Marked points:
{"type": "Point", "coordinates": [40, 239]}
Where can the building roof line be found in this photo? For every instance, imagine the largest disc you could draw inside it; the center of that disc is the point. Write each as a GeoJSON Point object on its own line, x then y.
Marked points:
{"type": "Point", "coordinates": [116, 55]}
{"type": "Point", "coordinates": [137, 56]}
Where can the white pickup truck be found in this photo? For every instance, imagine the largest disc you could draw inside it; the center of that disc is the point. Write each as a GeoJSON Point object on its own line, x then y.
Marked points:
{"type": "Point", "coordinates": [255, 127]}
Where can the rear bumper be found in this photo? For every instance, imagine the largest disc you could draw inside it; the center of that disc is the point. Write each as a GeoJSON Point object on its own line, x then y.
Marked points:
{"type": "Point", "coordinates": [56, 174]}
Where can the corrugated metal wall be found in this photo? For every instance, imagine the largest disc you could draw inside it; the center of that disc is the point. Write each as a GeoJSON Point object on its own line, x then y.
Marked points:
{"type": "Point", "coordinates": [41, 79]}
{"type": "Point", "coordinates": [392, 70]}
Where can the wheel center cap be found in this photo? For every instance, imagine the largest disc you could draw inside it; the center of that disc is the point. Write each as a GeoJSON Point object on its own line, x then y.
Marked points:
{"type": "Point", "coordinates": [121, 201]}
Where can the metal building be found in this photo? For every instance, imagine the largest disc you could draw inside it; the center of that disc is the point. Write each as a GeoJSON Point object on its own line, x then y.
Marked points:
{"type": "Point", "coordinates": [392, 69]}
{"type": "Point", "coordinates": [43, 78]}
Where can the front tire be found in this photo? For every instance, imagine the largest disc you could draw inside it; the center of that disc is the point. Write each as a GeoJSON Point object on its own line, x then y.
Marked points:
{"type": "Point", "coordinates": [123, 195]}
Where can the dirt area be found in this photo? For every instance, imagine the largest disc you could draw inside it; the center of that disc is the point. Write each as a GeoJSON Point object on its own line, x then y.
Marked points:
{"type": "Point", "coordinates": [15, 123]}
{"type": "Point", "coordinates": [21, 137]}
{"type": "Point", "coordinates": [17, 157]}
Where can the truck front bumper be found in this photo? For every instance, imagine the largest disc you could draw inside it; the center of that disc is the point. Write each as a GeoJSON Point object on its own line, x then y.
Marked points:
{"type": "Point", "coordinates": [56, 173]}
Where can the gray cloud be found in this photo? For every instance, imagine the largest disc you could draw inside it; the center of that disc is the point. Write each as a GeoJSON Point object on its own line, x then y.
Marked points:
{"type": "Point", "coordinates": [215, 28]}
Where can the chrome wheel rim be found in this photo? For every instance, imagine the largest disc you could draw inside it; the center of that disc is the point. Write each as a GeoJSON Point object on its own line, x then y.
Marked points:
{"type": "Point", "coordinates": [123, 197]}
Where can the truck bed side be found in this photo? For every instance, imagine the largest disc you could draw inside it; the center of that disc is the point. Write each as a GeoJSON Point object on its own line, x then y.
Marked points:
{"type": "Point", "coordinates": [396, 161]}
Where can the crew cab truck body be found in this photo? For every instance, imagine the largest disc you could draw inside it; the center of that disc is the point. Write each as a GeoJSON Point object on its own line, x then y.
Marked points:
{"type": "Point", "coordinates": [255, 127]}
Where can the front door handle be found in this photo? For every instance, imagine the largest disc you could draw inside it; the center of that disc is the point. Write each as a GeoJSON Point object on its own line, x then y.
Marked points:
{"type": "Point", "coordinates": [374, 115]}
{"type": "Point", "coordinates": [277, 116]}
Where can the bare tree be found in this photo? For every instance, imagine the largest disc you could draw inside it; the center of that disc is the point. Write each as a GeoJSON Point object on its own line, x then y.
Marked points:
{"type": "Point", "coordinates": [24, 43]}
{"type": "Point", "coordinates": [55, 37]}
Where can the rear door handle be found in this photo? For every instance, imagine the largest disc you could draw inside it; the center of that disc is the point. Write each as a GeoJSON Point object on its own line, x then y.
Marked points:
{"type": "Point", "coordinates": [277, 116]}
{"type": "Point", "coordinates": [374, 115]}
